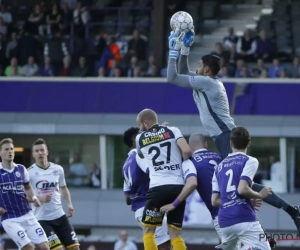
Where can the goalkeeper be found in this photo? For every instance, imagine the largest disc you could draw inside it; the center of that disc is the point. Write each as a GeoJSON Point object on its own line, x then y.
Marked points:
{"type": "Point", "coordinates": [212, 102]}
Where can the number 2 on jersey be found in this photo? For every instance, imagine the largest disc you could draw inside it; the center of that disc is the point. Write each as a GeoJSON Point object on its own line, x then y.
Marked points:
{"type": "Point", "coordinates": [230, 187]}
{"type": "Point", "coordinates": [157, 153]}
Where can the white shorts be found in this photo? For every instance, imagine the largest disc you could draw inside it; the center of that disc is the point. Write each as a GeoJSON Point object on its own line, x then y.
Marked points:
{"type": "Point", "coordinates": [217, 227]}
{"type": "Point", "coordinates": [161, 233]}
{"type": "Point", "coordinates": [24, 229]}
{"type": "Point", "coordinates": [246, 235]}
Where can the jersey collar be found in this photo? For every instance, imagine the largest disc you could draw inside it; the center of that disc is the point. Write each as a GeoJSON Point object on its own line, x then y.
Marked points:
{"type": "Point", "coordinates": [8, 170]}
{"type": "Point", "coordinates": [236, 153]}
{"type": "Point", "coordinates": [200, 150]}
{"type": "Point", "coordinates": [43, 168]}
{"type": "Point", "coordinates": [132, 150]}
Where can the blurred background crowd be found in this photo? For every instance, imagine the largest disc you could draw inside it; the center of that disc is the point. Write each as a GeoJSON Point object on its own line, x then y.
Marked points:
{"type": "Point", "coordinates": [114, 38]}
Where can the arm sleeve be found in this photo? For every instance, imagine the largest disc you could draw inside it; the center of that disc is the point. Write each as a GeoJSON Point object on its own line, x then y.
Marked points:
{"type": "Point", "coordinates": [188, 169]}
{"type": "Point", "coordinates": [177, 133]}
{"type": "Point", "coordinates": [62, 180]}
{"type": "Point", "coordinates": [215, 184]}
{"type": "Point", "coordinates": [183, 66]}
{"type": "Point", "coordinates": [249, 170]}
{"type": "Point", "coordinates": [143, 164]}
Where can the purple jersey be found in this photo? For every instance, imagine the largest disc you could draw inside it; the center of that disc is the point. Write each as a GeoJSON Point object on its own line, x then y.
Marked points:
{"type": "Point", "coordinates": [13, 197]}
{"type": "Point", "coordinates": [203, 163]}
{"type": "Point", "coordinates": [136, 181]}
{"type": "Point", "coordinates": [234, 208]}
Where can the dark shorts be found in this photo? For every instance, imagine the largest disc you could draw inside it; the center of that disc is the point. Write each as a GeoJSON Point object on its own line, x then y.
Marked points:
{"type": "Point", "coordinates": [222, 142]}
{"type": "Point", "coordinates": [158, 197]}
{"type": "Point", "coordinates": [60, 233]}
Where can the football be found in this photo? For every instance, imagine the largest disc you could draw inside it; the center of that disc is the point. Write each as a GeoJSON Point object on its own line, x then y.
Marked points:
{"type": "Point", "coordinates": [182, 20]}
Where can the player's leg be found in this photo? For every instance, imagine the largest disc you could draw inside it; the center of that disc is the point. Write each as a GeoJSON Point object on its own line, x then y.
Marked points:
{"type": "Point", "coordinates": [174, 221]}
{"type": "Point", "coordinates": [151, 218]}
{"type": "Point", "coordinates": [66, 233]}
{"type": "Point", "coordinates": [162, 238]}
{"type": "Point", "coordinates": [222, 142]}
{"type": "Point", "coordinates": [217, 227]}
{"type": "Point", "coordinates": [276, 201]}
{"type": "Point", "coordinates": [53, 240]}
{"type": "Point", "coordinates": [36, 233]}
{"type": "Point", "coordinates": [250, 233]}
{"type": "Point", "coordinates": [230, 238]}
{"type": "Point", "coordinates": [16, 232]}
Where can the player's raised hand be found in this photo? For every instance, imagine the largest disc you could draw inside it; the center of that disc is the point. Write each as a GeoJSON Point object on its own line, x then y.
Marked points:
{"type": "Point", "coordinates": [2, 211]}
{"type": "Point", "coordinates": [175, 43]}
{"type": "Point", "coordinates": [256, 203]}
{"type": "Point", "coordinates": [188, 41]}
{"type": "Point", "coordinates": [265, 192]}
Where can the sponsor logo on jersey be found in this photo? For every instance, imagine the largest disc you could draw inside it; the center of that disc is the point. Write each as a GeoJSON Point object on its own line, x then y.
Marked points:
{"type": "Point", "coordinates": [151, 137]}
{"type": "Point", "coordinates": [165, 167]}
{"type": "Point", "coordinates": [16, 187]}
{"type": "Point", "coordinates": [55, 173]}
{"type": "Point", "coordinates": [46, 185]}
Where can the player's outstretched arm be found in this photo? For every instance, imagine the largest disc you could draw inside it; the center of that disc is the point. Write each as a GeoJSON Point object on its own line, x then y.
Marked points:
{"type": "Point", "coordinates": [186, 81]}
{"type": "Point", "coordinates": [183, 66]}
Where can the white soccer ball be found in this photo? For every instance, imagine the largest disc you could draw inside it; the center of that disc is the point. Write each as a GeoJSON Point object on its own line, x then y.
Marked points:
{"type": "Point", "coordinates": [182, 20]}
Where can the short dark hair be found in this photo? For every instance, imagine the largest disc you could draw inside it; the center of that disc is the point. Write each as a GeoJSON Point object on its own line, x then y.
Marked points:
{"type": "Point", "coordinates": [129, 134]}
{"type": "Point", "coordinates": [240, 138]}
{"type": "Point", "coordinates": [213, 62]}
{"type": "Point", "coordinates": [39, 141]}
{"type": "Point", "coordinates": [4, 141]}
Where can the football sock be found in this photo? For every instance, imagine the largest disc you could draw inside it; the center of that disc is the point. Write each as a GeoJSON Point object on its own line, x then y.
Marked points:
{"type": "Point", "coordinates": [178, 244]}
{"type": "Point", "coordinates": [149, 241]}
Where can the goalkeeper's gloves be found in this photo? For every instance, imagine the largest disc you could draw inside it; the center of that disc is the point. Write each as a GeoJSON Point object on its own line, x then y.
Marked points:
{"type": "Point", "coordinates": [188, 41]}
{"type": "Point", "coordinates": [175, 43]}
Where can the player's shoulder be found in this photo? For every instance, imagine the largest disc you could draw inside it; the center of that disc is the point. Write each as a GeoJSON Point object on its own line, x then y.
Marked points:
{"type": "Point", "coordinates": [55, 166]}
{"type": "Point", "coordinates": [31, 167]}
{"type": "Point", "coordinates": [20, 166]}
{"type": "Point", "coordinates": [252, 159]}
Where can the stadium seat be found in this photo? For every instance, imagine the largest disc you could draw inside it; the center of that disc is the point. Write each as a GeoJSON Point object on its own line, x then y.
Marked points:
{"type": "Point", "coordinates": [128, 3]}
{"type": "Point", "coordinates": [282, 43]}
{"type": "Point", "coordinates": [280, 9]}
{"type": "Point", "coordinates": [209, 10]}
{"type": "Point", "coordinates": [295, 10]}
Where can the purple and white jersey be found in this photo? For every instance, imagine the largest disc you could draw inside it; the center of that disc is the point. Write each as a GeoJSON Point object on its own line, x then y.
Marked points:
{"type": "Point", "coordinates": [202, 164]}
{"type": "Point", "coordinates": [234, 208]}
{"type": "Point", "coordinates": [12, 193]}
{"type": "Point", "coordinates": [136, 179]}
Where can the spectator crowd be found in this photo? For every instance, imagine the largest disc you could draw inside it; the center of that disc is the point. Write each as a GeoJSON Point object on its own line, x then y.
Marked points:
{"type": "Point", "coordinates": [249, 56]}
{"type": "Point", "coordinates": [52, 40]}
